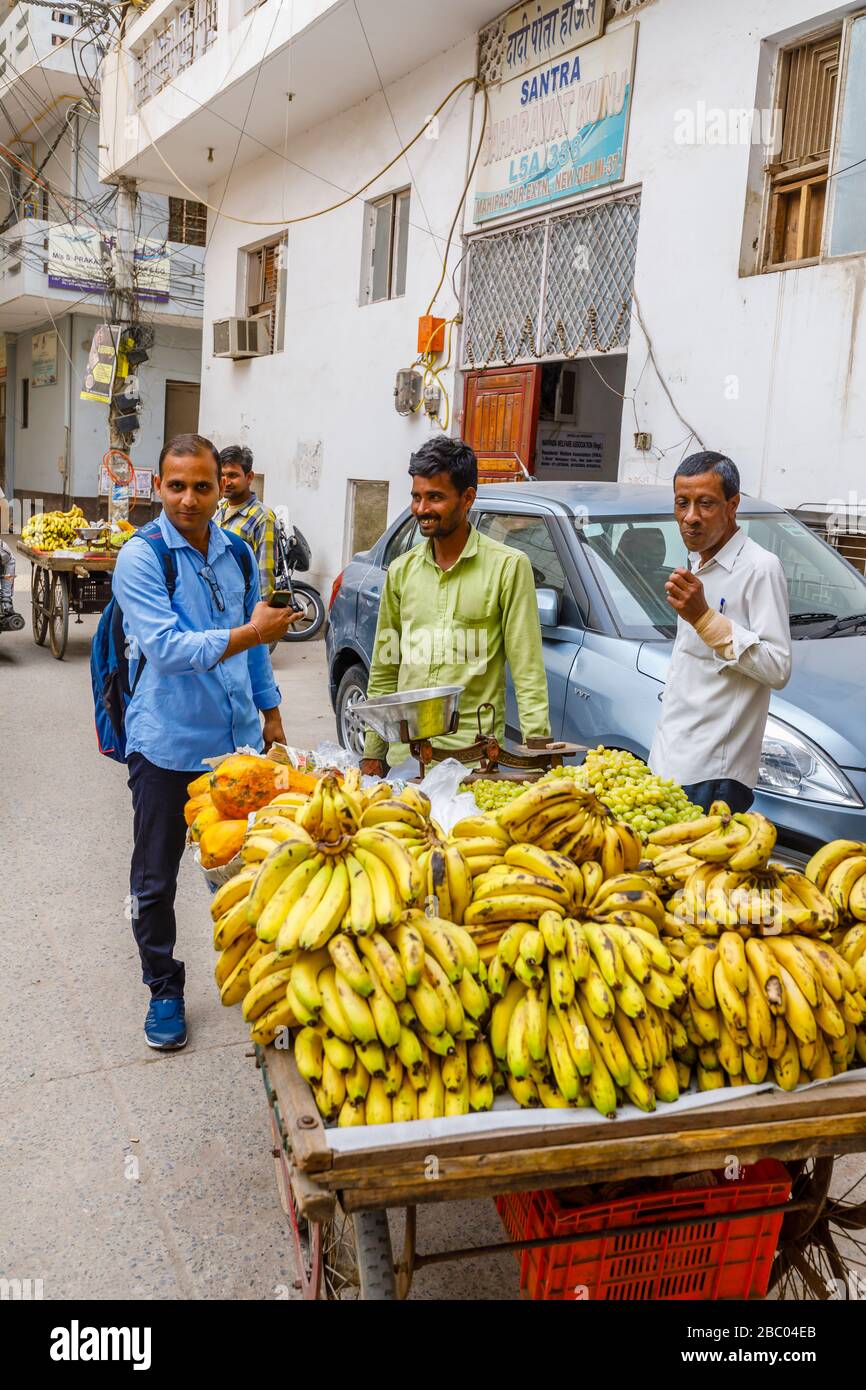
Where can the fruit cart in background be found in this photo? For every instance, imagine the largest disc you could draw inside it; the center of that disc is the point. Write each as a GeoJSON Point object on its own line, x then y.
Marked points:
{"type": "Point", "coordinates": [60, 584]}
{"type": "Point", "coordinates": [793, 1233]}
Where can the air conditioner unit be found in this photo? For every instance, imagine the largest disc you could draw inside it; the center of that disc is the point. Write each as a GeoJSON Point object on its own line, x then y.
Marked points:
{"type": "Point", "coordinates": [240, 338]}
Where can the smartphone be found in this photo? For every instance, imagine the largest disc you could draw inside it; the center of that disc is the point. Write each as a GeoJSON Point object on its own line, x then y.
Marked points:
{"type": "Point", "coordinates": [283, 598]}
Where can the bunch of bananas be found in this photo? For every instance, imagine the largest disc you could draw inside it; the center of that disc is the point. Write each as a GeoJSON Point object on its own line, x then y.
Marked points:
{"type": "Point", "coordinates": [53, 530]}
{"type": "Point", "coordinates": [725, 878]}
{"type": "Point", "coordinates": [585, 1009]}
{"type": "Point", "coordinates": [559, 816]}
{"type": "Point", "coordinates": [788, 1004]}
{"type": "Point", "coordinates": [481, 841]}
{"type": "Point", "coordinates": [838, 870]}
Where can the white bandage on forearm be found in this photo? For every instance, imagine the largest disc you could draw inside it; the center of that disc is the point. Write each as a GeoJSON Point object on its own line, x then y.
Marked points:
{"type": "Point", "coordinates": [715, 629]}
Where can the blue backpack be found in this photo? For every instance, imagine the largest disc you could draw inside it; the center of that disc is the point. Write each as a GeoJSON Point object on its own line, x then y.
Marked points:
{"type": "Point", "coordinates": [109, 658]}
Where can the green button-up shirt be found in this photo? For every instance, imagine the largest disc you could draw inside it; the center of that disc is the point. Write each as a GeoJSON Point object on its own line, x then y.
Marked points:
{"type": "Point", "coordinates": [459, 627]}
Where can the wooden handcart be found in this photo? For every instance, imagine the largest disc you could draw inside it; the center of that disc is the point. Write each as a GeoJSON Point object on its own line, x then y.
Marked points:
{"type": "Point", "coordinates": [60, 584]}
{"type": "Point", "coordinates": [337, 1202]}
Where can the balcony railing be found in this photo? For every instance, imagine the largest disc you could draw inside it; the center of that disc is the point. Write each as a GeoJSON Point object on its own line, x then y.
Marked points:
{"type": "Point", "coordinates": [174, 47]}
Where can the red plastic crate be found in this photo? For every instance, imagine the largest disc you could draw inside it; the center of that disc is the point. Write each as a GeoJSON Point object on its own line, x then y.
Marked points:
{"type": "Point", "coordinates": [706, 1259]}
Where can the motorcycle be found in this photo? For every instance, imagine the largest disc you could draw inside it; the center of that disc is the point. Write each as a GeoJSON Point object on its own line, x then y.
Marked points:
{"type": "Point", "coordinates": [293, 553]}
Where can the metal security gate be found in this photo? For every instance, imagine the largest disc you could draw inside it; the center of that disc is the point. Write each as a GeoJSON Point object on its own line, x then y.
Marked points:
{"type": "Point", "coordinates": [552, 289]}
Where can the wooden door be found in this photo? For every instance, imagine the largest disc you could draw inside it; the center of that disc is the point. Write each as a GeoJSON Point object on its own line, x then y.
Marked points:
{"type": "Point", "coordinates": [500, 419]}
{"type": "Point", "coordinates": [181, 408]}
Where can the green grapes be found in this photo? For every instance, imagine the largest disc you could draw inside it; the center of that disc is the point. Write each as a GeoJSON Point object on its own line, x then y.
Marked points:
{"type": "Point", "coordinates": [634, 793]}
{"type": "Point", "coordinates": [491, 794]}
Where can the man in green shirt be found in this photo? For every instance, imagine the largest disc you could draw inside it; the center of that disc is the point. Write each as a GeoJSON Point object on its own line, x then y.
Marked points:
{"type": "Point", "coordinates": [455, 609]}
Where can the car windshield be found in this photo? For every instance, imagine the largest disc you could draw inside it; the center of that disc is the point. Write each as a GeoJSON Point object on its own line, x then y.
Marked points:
{"type": "Point", "coordinates": [632, 558]}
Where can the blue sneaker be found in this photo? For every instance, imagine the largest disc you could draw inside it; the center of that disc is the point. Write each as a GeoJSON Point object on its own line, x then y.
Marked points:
{"type": "Point", "coordinates": [165, 1025]}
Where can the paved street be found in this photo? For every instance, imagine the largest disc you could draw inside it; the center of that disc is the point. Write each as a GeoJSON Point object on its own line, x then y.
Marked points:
{"type": "Point", "coordinates": [124, 1174]}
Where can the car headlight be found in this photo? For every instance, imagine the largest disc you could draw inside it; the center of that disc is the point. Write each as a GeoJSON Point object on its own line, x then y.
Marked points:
{"type": "Point", "coordinates": [791, 765]}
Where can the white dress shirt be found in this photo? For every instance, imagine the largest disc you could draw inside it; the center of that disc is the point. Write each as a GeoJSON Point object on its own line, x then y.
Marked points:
{"type": "Point", "coordinates": [714, 707]}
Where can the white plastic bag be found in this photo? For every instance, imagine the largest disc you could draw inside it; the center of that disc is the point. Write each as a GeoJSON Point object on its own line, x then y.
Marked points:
{"type": "Point", "coordinates": [448, 805]}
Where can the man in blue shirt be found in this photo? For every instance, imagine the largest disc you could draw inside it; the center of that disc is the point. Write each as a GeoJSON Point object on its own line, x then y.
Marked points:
{"type": "Point", "coordinates": [206, 680]}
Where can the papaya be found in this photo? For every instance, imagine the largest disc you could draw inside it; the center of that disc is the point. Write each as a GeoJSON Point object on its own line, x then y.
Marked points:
{"type": "Point", "coordinates": [220, 842]}
{"type": "Point", "coordinates": [242, 784]}
{"type": "Point", "coordinates": [208, 815]}
{"type": "Point", "coordinates": [194, 805]}
{"type": "Point", "coordinates": [199, 786]}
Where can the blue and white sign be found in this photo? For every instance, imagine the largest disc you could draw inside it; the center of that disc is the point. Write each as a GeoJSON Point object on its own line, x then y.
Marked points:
{"type": "Point", "coordinates": [558, 131]}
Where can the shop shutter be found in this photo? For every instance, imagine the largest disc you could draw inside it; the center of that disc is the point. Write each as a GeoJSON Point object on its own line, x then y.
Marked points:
{"type": "Point", "coordinates": [501, 419]}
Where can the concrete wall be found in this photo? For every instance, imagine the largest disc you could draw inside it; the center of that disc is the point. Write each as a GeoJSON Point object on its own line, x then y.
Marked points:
{"type": "Point", "coordinates": [321, 411]}
{"type": "Point", "coordinates": [770, 368]}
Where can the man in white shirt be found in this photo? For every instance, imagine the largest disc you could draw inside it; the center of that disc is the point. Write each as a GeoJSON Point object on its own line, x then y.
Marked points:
{"type": "Point", "coordinates": [733, 643]}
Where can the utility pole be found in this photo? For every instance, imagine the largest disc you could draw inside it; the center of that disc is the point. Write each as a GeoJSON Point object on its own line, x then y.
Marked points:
{"type": "Point", "coordinates": [124, 314]}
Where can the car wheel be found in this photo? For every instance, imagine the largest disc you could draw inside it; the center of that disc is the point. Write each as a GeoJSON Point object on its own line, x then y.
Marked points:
{"type": "Point", "coordinates": [351, 692]}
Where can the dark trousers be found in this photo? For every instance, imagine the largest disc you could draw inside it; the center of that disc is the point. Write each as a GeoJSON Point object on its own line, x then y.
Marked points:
{"type": "Point", "coordinates": [738, 796]}
{"type": "Point", "coordinates": [159, 832]}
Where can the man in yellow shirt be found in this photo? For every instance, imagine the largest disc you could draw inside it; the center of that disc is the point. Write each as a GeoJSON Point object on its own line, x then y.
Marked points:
{"type": "Point", "coordinates": [242, 512]}
{"type": "Point", "coordinates": [455, 610]}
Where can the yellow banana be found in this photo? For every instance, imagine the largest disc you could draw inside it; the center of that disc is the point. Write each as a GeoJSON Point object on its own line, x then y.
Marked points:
{"type": "Point", "coordinates": [388, 905]}
{"type": "Point", "coordinates": [764, 964]}
{"type": "Point", "coordinates": [606, 952]}
{"type": "Point", "coordinates": [786, 1067]}
{"type": "Point", "coordinates": [828, 858]}
{"type": "Point", "coordinates": [264, 995]}
{"type": "Point", "coordinates": [361, 917]}
{"type": "Point", "coordinates": [372, 1057]}
{"type": "Point", "coordinates": [289, 893]}
{"type": "Point", "coordinates": [610, 1045]}
{"type": "Point", "coordinates": [731, 1003]}
{"type": "Point", "coordinates": [666, 1082]}
{"type": "Point", "coordinates": [410, 947]}
{"type": "Point", "coordinates": [229, 894]}
{"type": "Point", "coordinates": [800, 967]}
{"type": "Point", "coordinates": [357, 1011]}
{"type": "Point", "coordinates": [509, 942]}
{"type": "Point", "coordinates": [684, 832]}
{"type": "Point", "coordinates": [377, 1104]}
{"type": "Point", "coordinates": [230, 957]}
{"type": "Point", "coordinates": [630, 997]}
{"type": "Point", "coordinates": [709, 1080]}
{"type": "Point", "coordinates": [576, 1036]}
{"type": "Point", "coordinates": [758, 847]}
{"type": "Point", "coordinates": [332, 1012]}
{"type": "Point", "coordinates": [346, 959]}
{"type": "Point", "coordinates": [304, 976]}
{"type": "Point", "coordinates": [454, 1015]}
{"type": "Point", "coordinates": [327, 917]}
{"type": "Point", "coordinates": [473, 996]}
{"type": "Point", "coordinates": [289, 934]}
{"type": "Point", "coordinates": [404, 1105]}
{"type": "Point", "coordinates": [593, 877]}
{"type": "Point", "coordinates": [385, 1015]}
{"type": "Point", "coordinates": [561, 980]}
{"type": "Point", "coordinates": [440, 944]}
{"type": "Point", "coordinates": [431, 1101]}
{"type": "Point", "coordinates": [230, 926]}
{"type": "Point", "coordinates": [393, 1078]}
{"type": "Point", "coordinates": [400, 864]}
{"type": "Point", "coordinates": [612, 854]}
{"type": "Point", "coordinates": [309, 1055]}
{"type": "Point", "coordinates": [842, 880]}
{"type": "Point", "coordinates": [357, 1082]}
{"type": "Point", "coordinates": [602, 1091]}
{"type": "Point", "coordinates": [718, 846]}
{"type": "Point", "coordinates": [798, 1012]}
{"type": "Point", "coordinates": [500, 1019]}
{"type": "Point", "coordinates": [384, 963]}
{"type": "Point", "coordinates": [561, 1060]}
{"type": "Point", "coordinates": [459, 882]}
{"type": "Point", "coordinates": [340, 1054]}
{"type": "Point", "coordinates": [832, 969]}
{"type": "Point", "coordinates": [597, 994]}
{"type": "Point", "coordinates": [428, 1006]}
{"type": "Point", "coordinates": [699, 972]}
{"type": "Point", "coordinates": [759, 1018]}
{"type": "Point", "coordinates": [633, 1044]}
{"type": "Point", "coordinates": [274, 870]}
{"type": "Point", "coordinates": [507, 907]}
{"type": "Point", "coordinates": [277, 1019]}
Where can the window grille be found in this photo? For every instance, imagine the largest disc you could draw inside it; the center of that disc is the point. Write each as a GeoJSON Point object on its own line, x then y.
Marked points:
{"type": "Point", "coordinates": [555, 288]}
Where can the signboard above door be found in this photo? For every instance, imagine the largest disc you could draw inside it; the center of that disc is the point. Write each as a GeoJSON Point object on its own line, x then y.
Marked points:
{"type": "Point", "coordinates": [558, 131]}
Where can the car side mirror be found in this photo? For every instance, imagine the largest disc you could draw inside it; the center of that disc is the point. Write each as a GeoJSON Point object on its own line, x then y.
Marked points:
{"type": "Point", "coordinates": [548, 607]}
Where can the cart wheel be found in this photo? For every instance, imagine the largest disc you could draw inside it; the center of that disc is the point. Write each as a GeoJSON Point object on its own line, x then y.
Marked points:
{"type": "Point", "coordinates": [58, 620]}
{"type": "Point", "coordinates": [820, 1257]}
{"type": "Point", "coordinates": [306, 1235]}
{"type": "Point", "coordinates": [40, 604]}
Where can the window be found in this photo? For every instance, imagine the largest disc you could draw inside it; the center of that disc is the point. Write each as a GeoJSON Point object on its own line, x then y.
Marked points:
{"type": "Point", "coordinates": [368, 514]}
{"type": "Point", "coordinates": [798, 177]}
{"type": "Point", "coordinates": [187, 222]}
{"type": "Point", "coordinates": [531, 534]}
{"type": "Point", "coordinates": [62, 17]}
{"type": "Point", "coordinates": [265, 288]}
{"type": "Point", "coordinates": [403, 539]}
{"type": "Point", "coordinates": [386, 242]}
{"type": "Point", "coordinates": [25, 402]}
{"type": "Point", "coordinates": [817, 178]}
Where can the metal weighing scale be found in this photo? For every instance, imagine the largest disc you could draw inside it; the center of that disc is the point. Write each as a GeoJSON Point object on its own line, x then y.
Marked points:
{"type": "Point", "coordinates": [418, 716]}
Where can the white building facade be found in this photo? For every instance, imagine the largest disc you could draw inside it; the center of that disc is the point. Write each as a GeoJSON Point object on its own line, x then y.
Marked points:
{"type": "Point", "coordinates": [662, 244]}
{"type": "Point", "coordinates": [57, 222]}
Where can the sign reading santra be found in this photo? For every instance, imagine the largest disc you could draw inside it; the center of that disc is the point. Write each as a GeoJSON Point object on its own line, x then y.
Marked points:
{"type": "Point", "coordinates": [541, 30]}
{"type": "Point", "coordinates": [558, 131]}
{"type": "Point", "coordinates": [77, 1343]}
